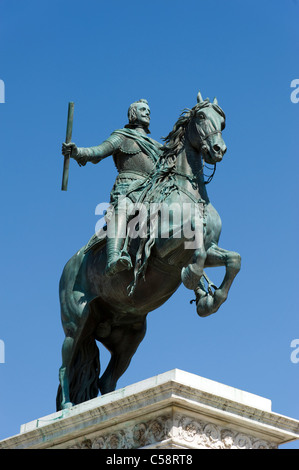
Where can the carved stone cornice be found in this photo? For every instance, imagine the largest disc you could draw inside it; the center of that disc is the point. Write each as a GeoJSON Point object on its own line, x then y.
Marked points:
{"type": "Point", "coordinates": [172, 410]}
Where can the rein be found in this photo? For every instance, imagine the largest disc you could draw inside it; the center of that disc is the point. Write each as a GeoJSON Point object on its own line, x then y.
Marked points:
{"type": "Point", "coordinates": [211, 176]}
{"type": "Point", "coordinates": [193, 179]}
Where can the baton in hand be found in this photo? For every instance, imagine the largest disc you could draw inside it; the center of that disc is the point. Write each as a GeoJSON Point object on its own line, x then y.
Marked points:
{"type": "Point", "coordinates": [68, 139]}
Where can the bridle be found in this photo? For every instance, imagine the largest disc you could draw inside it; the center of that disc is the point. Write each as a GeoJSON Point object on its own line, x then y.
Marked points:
{"type": "Point", "coordinates": [202, 139]}
{"type": "Point", "coordinates": [209, 134]}
{"type": "Point", "coordinates": [193, 179]}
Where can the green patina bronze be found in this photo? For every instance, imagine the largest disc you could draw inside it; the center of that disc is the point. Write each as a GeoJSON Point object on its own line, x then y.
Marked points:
{"type": "Point", "coordinates": [111, 284]}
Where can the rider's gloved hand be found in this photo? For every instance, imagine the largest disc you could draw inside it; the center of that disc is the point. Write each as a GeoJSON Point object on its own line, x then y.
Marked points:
{"type": "Point", "coordinates": [71, 150]}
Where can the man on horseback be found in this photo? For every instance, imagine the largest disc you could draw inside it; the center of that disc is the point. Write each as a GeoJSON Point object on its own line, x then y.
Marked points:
{"type": "Point", "coordinates": [135, 156]}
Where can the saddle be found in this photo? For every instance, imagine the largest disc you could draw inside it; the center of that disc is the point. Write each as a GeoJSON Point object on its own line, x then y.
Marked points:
{"type": "Point", "coordinates": [98, 240]}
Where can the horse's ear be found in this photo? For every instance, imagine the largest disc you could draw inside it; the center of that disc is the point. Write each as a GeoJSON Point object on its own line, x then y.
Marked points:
{"type": "Point", "coordinates": [215, 100]}
{"type": "Point", "coordinates": [199, 98]}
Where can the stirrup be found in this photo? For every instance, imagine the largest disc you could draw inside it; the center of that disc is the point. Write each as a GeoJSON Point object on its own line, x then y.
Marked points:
{"type": "Point", "coordinates": [121, 263]}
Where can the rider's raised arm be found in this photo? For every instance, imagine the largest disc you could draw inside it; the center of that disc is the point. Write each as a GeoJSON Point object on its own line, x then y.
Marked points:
{"type": "Point", "coordinates": [94, 154]}
{"type": "Point", "coordinates": [99, 152]}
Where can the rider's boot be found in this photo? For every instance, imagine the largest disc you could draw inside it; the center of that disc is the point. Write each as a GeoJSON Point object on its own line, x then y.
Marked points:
{"type": "Point", "coordinates": [118, 259]}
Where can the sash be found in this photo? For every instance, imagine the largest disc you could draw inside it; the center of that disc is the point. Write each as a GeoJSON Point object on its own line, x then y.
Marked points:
{"type": "Point", "coordinates": [146, 144]}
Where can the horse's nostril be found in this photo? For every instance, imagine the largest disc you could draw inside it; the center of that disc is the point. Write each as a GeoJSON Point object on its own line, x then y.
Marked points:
{"type": "Point", "coordinates": [216, 148]}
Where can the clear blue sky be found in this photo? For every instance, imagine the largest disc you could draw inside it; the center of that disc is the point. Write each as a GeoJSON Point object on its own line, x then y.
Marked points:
{"type": "Point", "coordinates": [103, 56]}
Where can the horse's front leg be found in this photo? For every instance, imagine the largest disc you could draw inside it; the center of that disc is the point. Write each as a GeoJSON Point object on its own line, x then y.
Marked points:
{"type": "Point", "coordinates": [216, 256]}
{"type": "Point", "coordinates": [192, 274]}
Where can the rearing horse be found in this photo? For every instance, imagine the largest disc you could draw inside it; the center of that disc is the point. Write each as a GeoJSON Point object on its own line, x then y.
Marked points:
{"type": "Point", "coordinates": [95, 307]}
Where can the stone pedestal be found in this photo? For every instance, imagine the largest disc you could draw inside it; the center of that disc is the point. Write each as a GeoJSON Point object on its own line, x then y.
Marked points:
{"type": "Point", "coordinates": [174, 410]}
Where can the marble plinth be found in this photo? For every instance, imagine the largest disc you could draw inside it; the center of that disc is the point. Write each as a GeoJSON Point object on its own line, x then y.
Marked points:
{"type": "Point", "coordinates": [172, 410]}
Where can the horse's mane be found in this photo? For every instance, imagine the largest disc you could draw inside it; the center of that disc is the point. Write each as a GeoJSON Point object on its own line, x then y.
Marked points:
{"type": "Point", "coordinates": [175, 139]}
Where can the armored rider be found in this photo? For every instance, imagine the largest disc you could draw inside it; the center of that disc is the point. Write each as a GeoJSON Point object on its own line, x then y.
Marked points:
{"type": "Point", "coordinates": [135, 155]}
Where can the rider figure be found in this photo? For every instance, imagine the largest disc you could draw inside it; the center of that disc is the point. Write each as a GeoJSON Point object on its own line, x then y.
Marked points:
{"type": "Point", "coordinates": [135, 156]}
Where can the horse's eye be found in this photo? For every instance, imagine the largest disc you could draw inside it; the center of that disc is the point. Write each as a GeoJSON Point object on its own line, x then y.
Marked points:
{"type": "Point", "coordinates": [201, 116]}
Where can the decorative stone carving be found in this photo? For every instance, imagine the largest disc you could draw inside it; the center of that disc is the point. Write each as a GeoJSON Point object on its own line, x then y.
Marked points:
{"type": "Point", "coordinates": [183, 430]}
{"type": "Point", "coordinates": [207, 435]}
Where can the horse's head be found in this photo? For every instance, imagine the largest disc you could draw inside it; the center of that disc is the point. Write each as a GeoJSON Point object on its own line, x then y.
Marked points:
{"type": "Point", "coordinates": [204, 130]}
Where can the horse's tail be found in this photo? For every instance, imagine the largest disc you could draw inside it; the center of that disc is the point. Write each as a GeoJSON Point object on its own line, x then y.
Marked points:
{"type": "Point", "coordinates": [84, 373]}
{"type": "Point", "coordinates": [84, 381]}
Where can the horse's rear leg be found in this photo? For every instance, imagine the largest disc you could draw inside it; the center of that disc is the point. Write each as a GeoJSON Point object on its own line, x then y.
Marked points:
{"type": "Point", "coordinates": [122, 343]}
{"type": "Point", "coordinates": [73, 319]}
{"type": "Point", "coordinates": [216, 256]}
{"type": "Point", "coordinates": [74, 311]}
{"type": "Point", "coordinates": [63, 398]}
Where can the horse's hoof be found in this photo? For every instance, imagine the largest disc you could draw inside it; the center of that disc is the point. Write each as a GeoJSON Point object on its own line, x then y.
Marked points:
{"type": "Point", "coordinates": [67, 405]}
{"type": "Point", "coordinates": [209, 304]}
{"type": "Point", "coordinates": [205, 306]}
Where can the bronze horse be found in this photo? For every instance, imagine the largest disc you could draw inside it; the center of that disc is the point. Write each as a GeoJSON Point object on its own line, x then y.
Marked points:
{"type": "Point", "coordinates": [95, 307]}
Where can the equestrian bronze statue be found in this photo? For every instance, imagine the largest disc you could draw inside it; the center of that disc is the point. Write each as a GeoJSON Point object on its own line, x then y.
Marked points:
{"type": "Point", "coordinates": [161, 231]}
